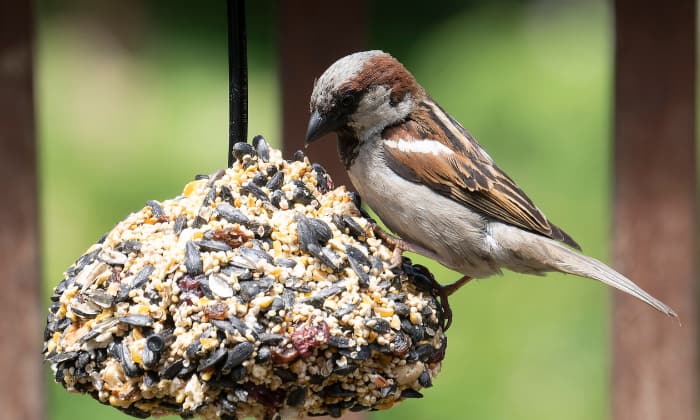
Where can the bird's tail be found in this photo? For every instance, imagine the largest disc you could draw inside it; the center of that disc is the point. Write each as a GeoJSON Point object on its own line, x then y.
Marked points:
{"type": "Point", "coordinates": [545, 254]}
{"type": "Point", "coordinates": [571, 262]}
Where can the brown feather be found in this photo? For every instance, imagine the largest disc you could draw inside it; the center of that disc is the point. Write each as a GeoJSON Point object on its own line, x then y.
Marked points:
{"type": "Point", "coordinates": [468, 175]}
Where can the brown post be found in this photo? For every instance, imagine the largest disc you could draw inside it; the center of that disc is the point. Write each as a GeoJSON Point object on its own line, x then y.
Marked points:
{"type": "Point", "coordinates": [655, 215]}
{"type": "Point", "coordinates": [21, 390]}
{"type": "Point", "coordinates": [313, 34]}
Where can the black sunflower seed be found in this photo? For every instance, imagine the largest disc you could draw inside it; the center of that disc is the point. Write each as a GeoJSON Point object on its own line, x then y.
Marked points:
{"type": "Point", "coordinates": [337, 391]}
{"type": "Point", "coordinates": [180, 224]}
{"type": "Point", "coordinates": [149, 358]}
{"type": "Point", "coordinates": [384, 392]}
{"type": "Point", "coordinates": [215, 358]}
{"type": "Point", "coordinates": [302, 195]}
{"type": "Point", "coordinates": [414, 331]}
{"type": "Point", "coordinates": [339, 342]}
{"type": "Point", "coordinates": [345, 370]}
{"type": "Point", "coordinates": [129, 246]}
{"type": "Point", "coordinates": [298, 156]}
{"type": "Point", "coordinates": [325, 255]}
{"type": "Point", "coordinates": [193, 260]}
{"type": "Point", "coordinates": [319, 297]}
{"type": "Point", "coordinates": [213, 246]}
{"type": "Point", "coordinates": [354, 228]}
{"type": "Point", "coordinates": [232, 214]}
{"type": "Point", "coordinates": [241, 149]}
{"type": "Point", "coordinates": [275, 182]}
{"type": "Point", "coordinates": [296, 396]}
{"type": "Point", "coordinates": [255, 191]}
{"type": "Point", "coordinates": [156, 208]}
{"type": "Point", "coordinates": [142, 276]}
{"type": "Point", "coordinates": [82, 262]}
{"type": "Point", "coordinates": [237, 355]}
{"type": "Point", "coordinates": [271, 339]}
{"type": "Point", "coordinates": [276, 197]}
{"type": "Point", "coordinates": [322, 231]}
{"type": "Point", "coordinates": [225, 194]}
{"type": "Point", "coordinates": [261, 148]}
{"type": "Point", "coordinates": [123, 354]}
{"type": "Point", "coordinates": [65, 356]}
{"type": "Point", "coordinates": [260, 179]}
{"type": "Point", "coordinates": [411, 393]}
{"type": "Point", "coordinates": [380, 325]}
{"type": "Point", "coordinates": [424, 379]}
{"type": "Point", "coordinates": [322, 179]}
{"type": "Point", "coordinates": [155, 343]}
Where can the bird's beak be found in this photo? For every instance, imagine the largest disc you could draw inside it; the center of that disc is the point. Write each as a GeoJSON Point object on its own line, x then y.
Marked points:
{"type": "Point", "coordinates": [320, 125]}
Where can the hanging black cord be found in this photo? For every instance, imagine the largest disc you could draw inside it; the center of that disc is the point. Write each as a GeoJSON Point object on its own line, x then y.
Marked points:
{"type": "Point", "coordinates": [237, 75]}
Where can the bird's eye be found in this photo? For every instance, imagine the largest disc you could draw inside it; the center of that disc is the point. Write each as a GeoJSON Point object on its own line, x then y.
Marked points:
{"type": "Point", "coordinates": [347, 100]}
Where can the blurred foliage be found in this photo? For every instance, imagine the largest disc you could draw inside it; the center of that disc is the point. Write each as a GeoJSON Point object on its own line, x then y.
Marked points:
{"type": "Point", "coordinates": [132, 100]}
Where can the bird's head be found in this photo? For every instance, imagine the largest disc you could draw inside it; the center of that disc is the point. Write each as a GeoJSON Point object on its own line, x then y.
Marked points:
{"type": "Point", "coordinates": [363, 93]}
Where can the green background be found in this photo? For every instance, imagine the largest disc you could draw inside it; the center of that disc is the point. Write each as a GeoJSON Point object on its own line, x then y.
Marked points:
{"type": "Point", "coordinates": [132, 103]}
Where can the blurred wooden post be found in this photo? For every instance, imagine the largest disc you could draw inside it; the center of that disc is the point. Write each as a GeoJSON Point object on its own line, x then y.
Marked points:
{"type": "Point", "coordinates": [313, 34]}
{"type": "Point", "coordinates": [21, 390]}
{"type": "Point", "coordinates": [654, 359]}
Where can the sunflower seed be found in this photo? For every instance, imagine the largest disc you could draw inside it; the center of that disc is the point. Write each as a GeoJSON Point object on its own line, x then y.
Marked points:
{"type": "Point", "coordinates": [100, 298]}
{"type": "Point", "coordinates": [275, 182]}
{"type": "Point", "coordinates": [322, 232]}
{"type": "Point", "coordinates": [296, 396]}
{"type": "Point", "coordinates": [156, 209]}
{"type": "Point", "coordinates": [86, 310]}
{"type": "Point", "coordinates": [180, 224]}
{"type": "Point", "coordinates": [155, 343]}
{"type": "Point", "coordinates": [137, 320]}
{"type": "Point", "coordinates": [215, 358]}
{"type": "Point", "coordinates": [255, 191]}
{"type": "Point", "coordinates": [232, 214]}
{"type": "Point", "coordinates": [276, 198]}
{"type": "Point", "coordinates": [193, 260]}
{"type": "Point", "coordinates": [213, 246]}
{"type": "Point", "coordinates": [241, 149]}
{"type": "Point", "coordinates": [302, 195]}
{"type": "Point", "coordinates": [237, 355]}
{"type": "Point", "coordinates": [323, 181]}
{"type": "Point", "coordinates": [325, 255]}
{"type": "Point", "coordinates": [411, 393]}
{"type": "Point", "coordinates": [219, 286]}
{"type": "Point", "coordinates": [142, 277]}
{"type": "Point", "coordinates": [149, 358]}
{"type": "Point", "coordinates": [261, 148]}
{"type": "Point", "coordinates": [129, 246]}
{"type": "Point", "coordinates": [424, 379]}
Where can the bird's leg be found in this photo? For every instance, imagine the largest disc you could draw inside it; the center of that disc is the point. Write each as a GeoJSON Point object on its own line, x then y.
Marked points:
{"type": "Point", "coordinates": [453, 287]}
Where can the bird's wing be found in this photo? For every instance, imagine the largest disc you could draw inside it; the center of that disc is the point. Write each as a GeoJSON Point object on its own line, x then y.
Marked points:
{"type": "Point", "coordinates": [433, 149]}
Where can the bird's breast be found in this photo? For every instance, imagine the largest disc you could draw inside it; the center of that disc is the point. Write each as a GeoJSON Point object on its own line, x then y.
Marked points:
{"type": "Point", "coordinates": [421, 216]}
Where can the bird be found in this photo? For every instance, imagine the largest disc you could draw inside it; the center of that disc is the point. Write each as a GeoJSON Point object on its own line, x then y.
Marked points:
{"type": "Point", "coordinates": [432, 184]}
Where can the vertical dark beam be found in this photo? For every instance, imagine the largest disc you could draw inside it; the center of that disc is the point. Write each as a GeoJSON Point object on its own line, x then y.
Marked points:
{"type": "Point", "coordinates": [237, 75]}
{"type": "Point", "coordinates": [21, 395]}
{"type": "Point", "coordinates": [313, 34]}
{"type": "Point", "coordinates": [655, 359]}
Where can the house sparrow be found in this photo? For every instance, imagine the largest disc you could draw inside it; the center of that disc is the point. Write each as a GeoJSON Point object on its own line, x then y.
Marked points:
{"type": "Point", "coordinates": [433, 185]}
